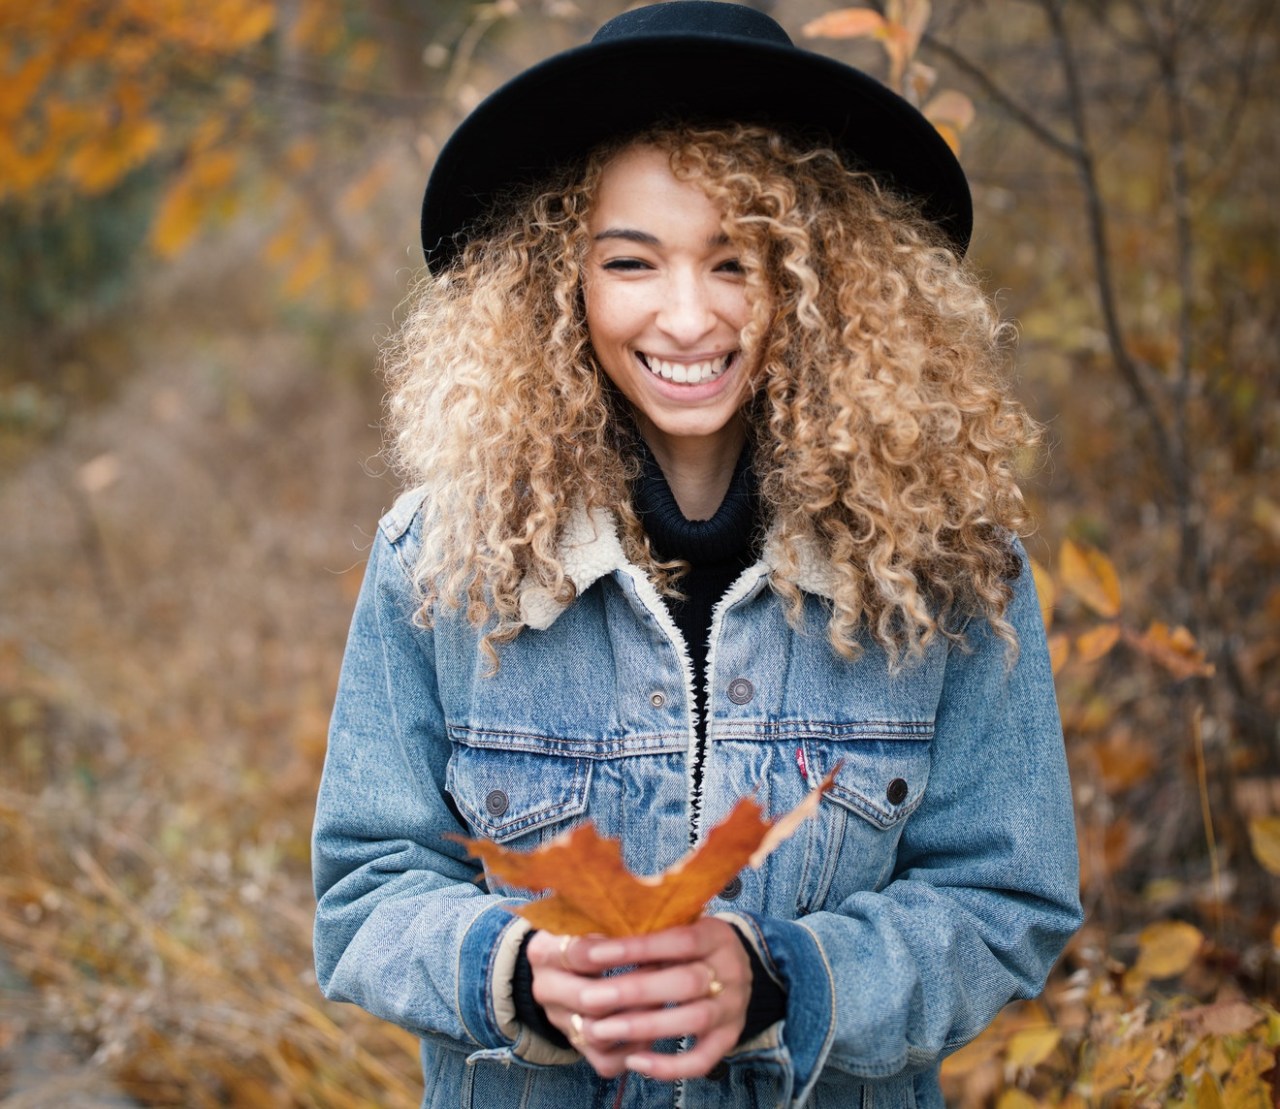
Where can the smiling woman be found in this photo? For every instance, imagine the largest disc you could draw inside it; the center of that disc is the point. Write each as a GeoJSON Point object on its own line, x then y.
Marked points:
{"type": "Point", "coordinates": [666, 304]}
{"type": "Point", "coordinates": [672, 403]}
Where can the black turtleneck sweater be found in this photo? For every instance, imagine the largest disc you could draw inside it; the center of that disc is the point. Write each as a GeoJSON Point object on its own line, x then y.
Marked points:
{"type": "Point", "coordinates": [717, 551]}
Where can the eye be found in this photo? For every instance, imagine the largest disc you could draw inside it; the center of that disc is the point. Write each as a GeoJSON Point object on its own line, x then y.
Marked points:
{"type": "Point", "coordinates": [625, 264]}
{"type": "Point", "coordinates": [731, 265]}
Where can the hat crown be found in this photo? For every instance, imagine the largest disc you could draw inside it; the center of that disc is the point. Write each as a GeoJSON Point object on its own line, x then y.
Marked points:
{"type": "Point", "coordinates": [693, 19]}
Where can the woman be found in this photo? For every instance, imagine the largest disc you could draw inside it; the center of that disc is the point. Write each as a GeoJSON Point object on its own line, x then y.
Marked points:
{"type": "Point", "coordinates": [712, 495]}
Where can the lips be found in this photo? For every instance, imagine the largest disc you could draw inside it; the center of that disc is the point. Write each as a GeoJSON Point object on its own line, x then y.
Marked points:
{"type": "Point", "coordinates": [686, 373]}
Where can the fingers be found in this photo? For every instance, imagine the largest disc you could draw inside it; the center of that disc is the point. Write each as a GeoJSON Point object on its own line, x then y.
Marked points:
{"type": "Point", "coordinates": [696, 1062]}
{"type": "Point", "coordinates": [564, 953]}
{"type": "Point", "coordinates": [690, 983]}
{"type": "Point", "coordinates": [674, 945]}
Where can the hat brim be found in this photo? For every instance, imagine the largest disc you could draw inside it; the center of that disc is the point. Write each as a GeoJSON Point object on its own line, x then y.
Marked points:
{"type": "Point", "coordinates": [563, 107]}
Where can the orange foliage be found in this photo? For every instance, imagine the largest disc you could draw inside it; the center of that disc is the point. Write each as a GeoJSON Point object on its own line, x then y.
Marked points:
{"type": "Point", "coordinates": [594, 893]}
{"type": "Point", "coordinates": [899, 31]}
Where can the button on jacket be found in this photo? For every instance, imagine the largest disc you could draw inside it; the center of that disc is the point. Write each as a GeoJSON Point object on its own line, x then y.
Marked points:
{"type": "Point", "coordinates": [937, 882]}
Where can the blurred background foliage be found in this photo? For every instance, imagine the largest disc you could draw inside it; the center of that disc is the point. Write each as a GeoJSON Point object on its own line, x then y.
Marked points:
{"type": "Point", "coordinates": [207, 215]}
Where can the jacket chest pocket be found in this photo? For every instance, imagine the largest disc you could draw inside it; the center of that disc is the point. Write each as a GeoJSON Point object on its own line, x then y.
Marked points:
{"type": "Point", "coordinates": [881, 773]}
{"type": "Point", "coordinates": [516, 790]}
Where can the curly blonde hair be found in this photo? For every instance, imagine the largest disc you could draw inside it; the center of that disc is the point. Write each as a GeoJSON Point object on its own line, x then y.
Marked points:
{"type": "Point", "coordinates": [882, 430]}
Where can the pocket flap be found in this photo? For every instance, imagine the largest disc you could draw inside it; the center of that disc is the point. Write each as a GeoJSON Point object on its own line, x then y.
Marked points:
{"type": "Point", "coordinates": [880, 779]}
{"type": "Point", "coordinates": [504, 794]}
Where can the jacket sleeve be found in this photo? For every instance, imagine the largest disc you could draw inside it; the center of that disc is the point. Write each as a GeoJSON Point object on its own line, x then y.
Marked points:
{"type": "Point", "coordinates": [985, 892]}
{"type": "Point", "coordinates": [403, 926]}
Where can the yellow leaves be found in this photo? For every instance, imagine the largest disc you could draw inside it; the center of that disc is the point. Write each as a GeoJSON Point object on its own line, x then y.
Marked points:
{"type": "Point", "coordinates": [1097, 642]}
{"type": "Point", "coordinates": [1046, 592]}
{"type": "Point", "coordinates": [1090, 575]}
{"type": "Point", "coordinates": [1167, 948]}
{"type": "Point", "coordinates": [1091, 578]}
{"type": "Point", "coordinates": [215, 26]}
{"type": "Point", "coordinates": [951, 112]}
{"type": "Point", "coordinates": [899, 31]}
{"type": "Point", "coordinates": [845, 23]}
{"type": "Point", "coordinates": [197, 195]}
{"type": "Point", "coordinates": [593, 892]}
{"type": "Point", "coordinates": [1121, 760]}
{"type": "Point", "coordinates": [1030, 1047]}
{"type": "Point", "coordinates": [1264, 837]}
{"type": "Point", "coordinates": [106, 157]}
{"type": "Point", "coordinates": [1173, 648]}
{"type": "Point", "coordinates": [1013, 1098]}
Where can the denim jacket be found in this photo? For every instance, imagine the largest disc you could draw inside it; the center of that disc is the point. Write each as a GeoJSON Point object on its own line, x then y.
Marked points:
{"type": "Point", "coordinates": [938, 881]}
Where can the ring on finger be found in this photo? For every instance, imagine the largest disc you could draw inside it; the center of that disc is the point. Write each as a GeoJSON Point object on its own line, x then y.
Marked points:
{"type": "Point", "coordinates": [577, 1036]}
{"type": "Point", "coordinates": [714, 986]}
{"type": "Point", "coordinates": [565, 941]}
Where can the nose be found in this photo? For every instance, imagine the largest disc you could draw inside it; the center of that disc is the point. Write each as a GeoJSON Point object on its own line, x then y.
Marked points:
{"type": "Point", "coordinates": [687, 313]}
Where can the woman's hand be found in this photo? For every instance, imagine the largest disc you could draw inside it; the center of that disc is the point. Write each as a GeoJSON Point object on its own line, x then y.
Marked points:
{"type": "Point", "coordinates": [692, 981]}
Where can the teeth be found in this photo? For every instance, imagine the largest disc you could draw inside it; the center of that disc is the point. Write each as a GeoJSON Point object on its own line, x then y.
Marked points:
{"type": "Point", "coordinates": [683, 373]}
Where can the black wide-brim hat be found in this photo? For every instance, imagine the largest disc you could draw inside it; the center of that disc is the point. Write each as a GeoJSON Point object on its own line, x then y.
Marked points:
{"type": "Point", "coordinates": [694, 61]}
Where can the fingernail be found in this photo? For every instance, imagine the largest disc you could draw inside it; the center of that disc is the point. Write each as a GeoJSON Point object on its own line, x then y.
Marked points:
{"type": "Point", "coordinates": [611, 1028]}
{"type": "Point", "coordinates": [637, 1063]}
{"type": "Point", "coordinates": [599, 995]}
{"type": "Point", "coordinates": [606, 952]}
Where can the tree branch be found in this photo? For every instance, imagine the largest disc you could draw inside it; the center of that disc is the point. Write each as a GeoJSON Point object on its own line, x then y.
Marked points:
{"type": "Point", "coordinates": [1129, 368]}
{"type": "Point", "coordinates": [998, 95]}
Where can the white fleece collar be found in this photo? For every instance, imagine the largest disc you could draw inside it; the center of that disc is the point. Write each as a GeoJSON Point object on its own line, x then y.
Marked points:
{"type": "Point", "coordinates": [590, 549]}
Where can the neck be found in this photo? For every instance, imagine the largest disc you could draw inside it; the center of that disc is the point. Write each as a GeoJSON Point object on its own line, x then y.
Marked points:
{"type": "Point", "coordinates": [698, 469]}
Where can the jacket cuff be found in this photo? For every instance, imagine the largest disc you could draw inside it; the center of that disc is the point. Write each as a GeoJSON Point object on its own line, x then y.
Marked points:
{"type": "Point", "coordinates": [485, 961]}
{"type": "Point", "coordinates": [791, 954]}
{"type": "Point", "coordinates": [526, 1042]}
{"type": "Point", "coordinates": [768, 1001]}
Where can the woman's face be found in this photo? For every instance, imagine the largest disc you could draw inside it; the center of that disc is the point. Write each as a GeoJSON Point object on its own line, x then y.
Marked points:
{"type": "Point", "coordinates": [666, 303]}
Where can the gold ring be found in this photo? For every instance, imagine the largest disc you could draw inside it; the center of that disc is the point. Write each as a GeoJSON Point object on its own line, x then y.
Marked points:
{"type": "Point", "coordinates": [576, 1035]}
{"type": "Point", "coordinates": [714, 986]}
{"type": "Point", "coordinates": [565, 941]}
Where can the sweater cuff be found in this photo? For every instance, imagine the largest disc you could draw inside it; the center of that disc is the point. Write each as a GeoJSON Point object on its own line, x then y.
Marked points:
{"type": "Point", "coordinates": [528, 1012]}
{"type": "Point", "coordinates": [768, 1002]}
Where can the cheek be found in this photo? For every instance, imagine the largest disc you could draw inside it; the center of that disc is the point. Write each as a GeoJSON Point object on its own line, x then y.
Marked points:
{"type": "Point", "coordinates": [611, 314]}
{"type": "Point", "coordinates": [734, 307]}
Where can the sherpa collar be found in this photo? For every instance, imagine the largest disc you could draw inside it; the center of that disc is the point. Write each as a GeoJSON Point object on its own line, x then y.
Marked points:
{"type": "Point", "coordinates": [590, 549]}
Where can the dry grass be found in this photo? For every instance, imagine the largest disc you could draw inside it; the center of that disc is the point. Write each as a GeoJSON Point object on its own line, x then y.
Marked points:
{"type": "Point", "coordinates": [178, 574]}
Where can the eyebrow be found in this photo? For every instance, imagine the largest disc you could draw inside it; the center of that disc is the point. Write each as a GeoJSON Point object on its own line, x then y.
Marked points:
{"type": "Point", "coordinates": [643, 237]}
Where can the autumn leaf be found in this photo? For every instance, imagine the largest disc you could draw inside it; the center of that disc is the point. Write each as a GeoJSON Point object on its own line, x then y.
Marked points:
{"type": "Point", "coordinates": [1014, 1098]}
{"type": "Point", "coordinates": [1097, 642]}
{"type": "Point", "coordinates": [1224, 1018]}
{"type": "Point", "coordinates": [1059, 651]}
{"type": "Point", "coordinates": [1173, 648]}
{"type": "Point", "coordinates": [1090, 575]}
{"type": "Point", "coordinates": [1264, 835]}
{"type": "Point", "coordinates": [846, 23]}
{"type": "Point", "coordinates": [1167, 948]}
{"type": "Point", "coordinates": [1046, 592]}
{"type": "Point", "coordinates": [593, 892]}
{"type": "Point", "coordinates": [952, 107]}
{"type": "Point", "coordinates": [1029, 1047]}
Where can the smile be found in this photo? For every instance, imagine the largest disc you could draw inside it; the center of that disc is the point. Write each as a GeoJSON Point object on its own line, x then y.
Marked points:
{"type": "Point", "coordinates": [686, 373]}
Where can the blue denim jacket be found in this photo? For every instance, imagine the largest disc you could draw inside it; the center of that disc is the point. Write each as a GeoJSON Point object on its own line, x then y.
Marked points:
{"type": "Point", "coordinates": [938, 882]}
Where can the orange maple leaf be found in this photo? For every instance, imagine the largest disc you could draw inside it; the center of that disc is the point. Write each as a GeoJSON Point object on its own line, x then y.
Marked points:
{"type": "Point", "coordinates": [592, 891]}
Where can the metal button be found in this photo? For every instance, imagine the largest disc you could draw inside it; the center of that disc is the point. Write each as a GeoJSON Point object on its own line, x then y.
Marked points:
{"type": "Point", "coordinates": [732, 889]}
{"type": "Point", "coordinates": [897, 791]}
{"type": "Point", "coordinates": [657, 698]}
{"type": "Point", "coordinates": [741, 691]}
{"type": "Point", "coordinates": [496, 802]}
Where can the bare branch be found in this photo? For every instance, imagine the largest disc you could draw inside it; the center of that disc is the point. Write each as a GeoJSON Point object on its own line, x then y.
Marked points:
{"type": "Point", "coordinates": [1128, 366]}
{"type": "Point", "coordinates": [998, 95]}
